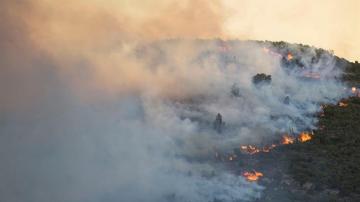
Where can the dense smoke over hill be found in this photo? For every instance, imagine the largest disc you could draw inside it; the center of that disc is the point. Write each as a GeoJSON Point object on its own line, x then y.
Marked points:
{"type": "Point", "coordinates": [139, 125]}
{"type": "Point", "coordinates": [93, 110]}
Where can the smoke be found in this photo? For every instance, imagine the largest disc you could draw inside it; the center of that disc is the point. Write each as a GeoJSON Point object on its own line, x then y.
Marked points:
{"type": "Point", "coordinates": [93, 109]}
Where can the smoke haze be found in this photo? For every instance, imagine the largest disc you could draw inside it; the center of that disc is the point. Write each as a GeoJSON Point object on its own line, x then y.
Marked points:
{"type": "Point", "coordinates": [98, 104]}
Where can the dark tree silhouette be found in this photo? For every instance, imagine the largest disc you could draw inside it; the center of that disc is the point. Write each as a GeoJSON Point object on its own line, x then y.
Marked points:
{"type": "Point", "coordinates": [287, 100]}
{"type": "Point", "coordinates": [235, 90]}
{"type": "Point", "coordinates": [218, 123]}
{"type": "Point", "coordinates": [261, 79]}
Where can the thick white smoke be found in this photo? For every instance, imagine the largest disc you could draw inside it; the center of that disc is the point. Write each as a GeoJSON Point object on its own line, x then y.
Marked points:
{"type": "Point", "coordinates": [90, 110]}
{"type": "Point", "coordinates": [150, 137]}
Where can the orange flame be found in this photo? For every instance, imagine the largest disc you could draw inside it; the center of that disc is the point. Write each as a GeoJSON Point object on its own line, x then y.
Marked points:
{"type": "Point", "coordinates": [342, 104]}
{"type": "Point", "coordinates": [304, 136]}
{"type": "Point", "coordinates": [289, 56]}
{"type": "Point", "coordinates": [286, 139]}
{"type": "Point", "coordinates": [249, 149]}
{"type": "Point", "coordinates": [268, 148]}
{"type": "Point", "coordinates": [252, 176]}
{"type": "Point", "coordinates": [232, 157]}
{"type": "Point", "coordinates": [353, 89]}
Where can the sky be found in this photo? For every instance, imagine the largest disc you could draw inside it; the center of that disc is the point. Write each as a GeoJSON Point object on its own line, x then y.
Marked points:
{"type": "Point", "coordinates": [332, 25]}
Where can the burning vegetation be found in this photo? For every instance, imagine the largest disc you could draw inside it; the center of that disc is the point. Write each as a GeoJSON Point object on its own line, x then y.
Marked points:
{"type": "Point", "coordinates": [325, 159]}
{"type": "Point", "coordinates": [252, 176]}
{"type": "Point", "coordinates": [343, 104]}
{"type": "Point", "coordinates": [316, 158]}
{"type": "Point", "coordinates": [285, 140]}
{"type": "Point", "coordinates": [327, 168]}
{"type": "Point", "coordinates": [289, 56]}
{"type": "Point", "coordinates": [304, 137]}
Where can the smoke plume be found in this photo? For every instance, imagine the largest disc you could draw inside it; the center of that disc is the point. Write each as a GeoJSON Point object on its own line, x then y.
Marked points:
{"type": "Point", "coordinates": [100, 106]}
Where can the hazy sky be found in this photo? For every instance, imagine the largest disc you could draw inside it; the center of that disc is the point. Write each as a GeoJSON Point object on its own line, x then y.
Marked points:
{"type": "Point", "coordinates": [330, 24]}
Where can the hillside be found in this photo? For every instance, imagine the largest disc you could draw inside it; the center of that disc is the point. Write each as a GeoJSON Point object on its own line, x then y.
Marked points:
{"type": "Point", "coordinates": [327, 167]}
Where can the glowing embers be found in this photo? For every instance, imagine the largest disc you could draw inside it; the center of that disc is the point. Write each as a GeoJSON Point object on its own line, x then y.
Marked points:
{"type": "Point", "coordinates": [343, 104]}
{"type": "Point", "coordinates": [353, 89]}
{"type": "Point", "coordinates": [287, 139]}
{"type": "Point", "coordinates": [232, 157]}
{"type": "Point", "coordinates": [250, 149]}
{"type": "Point", "coordinates": [289, 56]}
{"type": "Point", "coordinates": [268, 148]}
{"type": "Point", "coordinates": [304, 137]}
{"type": "Point", "coordinates": [252, 176]}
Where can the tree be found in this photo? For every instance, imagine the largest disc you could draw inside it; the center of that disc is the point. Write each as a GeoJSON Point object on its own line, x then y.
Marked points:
{"type": "Point", "coordinates": [235, 90]}
{"type": "Point", "coordinates": [287, 100]}
{"type": "Point", "coordinates": [218, 123]}
{"type": "Point", "coordinates": [261, 79]}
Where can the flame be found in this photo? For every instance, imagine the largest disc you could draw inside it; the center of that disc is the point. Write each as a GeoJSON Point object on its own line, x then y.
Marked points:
{"type": "Point", "coordinates": [286, 139]}
{"type": "Point", "coordinates": [353, 89]}
{"type": "Point", "coordinates": [252, 176]}
{"type": "Point", "coordinates": [232, 157]}
{"type": "Point", "coordinates": [289, 56]}
{"type": "Point", "coordinates": [249, 149]}
{"type": "Point", "coordinates": [304, 136]}
{"type": "Point", "coordinates": [342, 104]}
{"type": "Point", "coordinates": [268, 148]}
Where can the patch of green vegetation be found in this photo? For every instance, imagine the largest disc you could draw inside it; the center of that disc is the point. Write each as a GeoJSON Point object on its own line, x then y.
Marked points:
{"type": "Point", "coordinates": [352, 74]}
{"type": "Point", "coordinates": [332, 158]}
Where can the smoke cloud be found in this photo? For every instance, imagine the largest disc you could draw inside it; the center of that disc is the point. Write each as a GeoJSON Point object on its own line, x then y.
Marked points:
{"type": "Point", "coordinates": [98, 105]}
